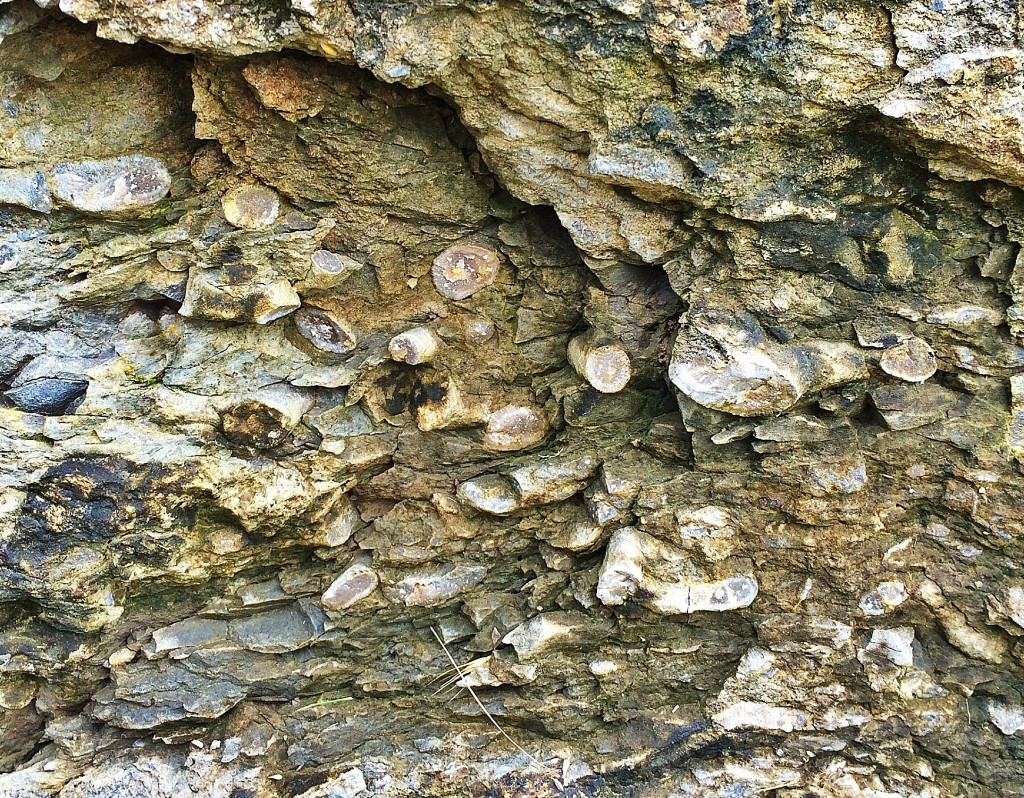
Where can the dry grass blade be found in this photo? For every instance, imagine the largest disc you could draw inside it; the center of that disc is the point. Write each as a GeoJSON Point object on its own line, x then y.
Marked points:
{"type": "Point", "coordinates": [480, 703]}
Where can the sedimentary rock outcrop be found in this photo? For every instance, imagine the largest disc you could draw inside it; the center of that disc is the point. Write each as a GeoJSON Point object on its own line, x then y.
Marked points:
{"type": "Point", "coordinates": [657, 365]}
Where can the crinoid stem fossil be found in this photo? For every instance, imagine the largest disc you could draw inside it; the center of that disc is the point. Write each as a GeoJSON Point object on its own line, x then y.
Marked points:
{"type": "Point", "coordinates": [414, 346]}
{"type": "Point", "coordinates": [601, 361]}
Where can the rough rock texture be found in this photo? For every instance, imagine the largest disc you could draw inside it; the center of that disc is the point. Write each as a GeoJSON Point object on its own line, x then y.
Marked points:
{"type": "Point", "coordinates": [286, 298]}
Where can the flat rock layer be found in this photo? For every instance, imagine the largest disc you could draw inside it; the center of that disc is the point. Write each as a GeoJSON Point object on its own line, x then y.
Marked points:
{"type": "Point", "coordinates": [308, 484]}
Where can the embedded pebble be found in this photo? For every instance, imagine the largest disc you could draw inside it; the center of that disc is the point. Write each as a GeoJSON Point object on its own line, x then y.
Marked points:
{"type": "Point", "coordinates": [1006, 716]}
{"type": "Point", "coordinates": [252, 424]}
{"type": "Point", "coordinates": [278, 299]}
{"type": "Point", "coordinates": [207, 297]}
{"type": "Point", "coordinates": [355, 583]}
{"type": "Point", "coordinates": [726, 361]}
{"type": "Point", "coordinates": [887, 596]}
{"type": "Point", "coordinates": [514, 427]}
{"type": "Point", "coordinates": [327, 270]}
{"type": "Point", "coordinates": [896, 645]}
{"type": "Point", "coordinates": [324, 331]}
{"type": "Point", "coordinates": [189, 633]}
{"type": "Point", "coordinates": [478, 330]}
{"type": "Point", "coordinates": [759, 715]}
{"type": "Point", "coordinates": [430, 587]}
{"type": "Point", "coordinates": [491, 493]}
{"type": "Point", "coordinates": [251, 207]}
{"type": "Point", "coordinates": [113, 185]}
{"type": "Point", "coordinates": [341, 523]}
{"type": "Point", "coordinates": [911, 360]}
{"type": "Point", "coordinates": [638, 566]}
{"type": "Point", "coordinates": [541, 633]}
{"type": "Point", "coordinates": [1007, 605]}
{"type": "Point", "coordinates": [463, 269]}
{"type": "Point", "coordinates": [603, 363]}
{"type": "Point", "coordinates": [442, 404]}
{"type": "Point", "coordinates": [549, 481]}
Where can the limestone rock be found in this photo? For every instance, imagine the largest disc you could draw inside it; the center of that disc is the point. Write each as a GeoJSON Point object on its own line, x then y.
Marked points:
{"type": "Point", "coordinates": [653, 370]}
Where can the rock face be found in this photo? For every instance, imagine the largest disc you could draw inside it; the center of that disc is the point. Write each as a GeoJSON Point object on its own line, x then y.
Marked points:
{"type": "Point", "coordinates": [652, 370]}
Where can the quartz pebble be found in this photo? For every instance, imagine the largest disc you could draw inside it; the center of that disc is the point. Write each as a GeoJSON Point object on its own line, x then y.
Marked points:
{"type": "Point", "coordinates": [414, 346]}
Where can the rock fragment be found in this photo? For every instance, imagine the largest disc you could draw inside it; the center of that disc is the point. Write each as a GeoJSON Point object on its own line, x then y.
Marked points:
{"type": "Point", "coordinates": [263, 301]}
{"type": "Point", "coordinates": [255, 425]}
{"type": "Point", "coordinates": [1006, 608]}
{"type": "Point", "coordinates": [49, 396]}
{"type": "Point", "coordinates": [896, 645]}
{"type": "Point", "coordinates": [639, 567]}
{"type": "Point", "coordinates": [327, 270]}
{"type": "Point", "coordinates": [759, 715]}
{"type": "Point", "coordinates": [1007, 716]}
{"type": "Point", "coordinates": [324, 330]}
{"type": "Point", "coordinates": [492, 494]}
{"type": "Point", "coordinates": [548, 631]}
{"type": "Point", "coordinates": [887, 596]}
{"type": "Point", "coordinates": [911, 360]}
{"type": "Point", "coordinates": [555, 480]}
{"type": "Point", "coordinates": [724, 360]}
{"type": "Point", "coordinates": [436, 585]}
{"type": "Point", "coordinates": [514, 427]}
{"type": "Point", "coordinates": [353, 585]}
{"type": "Point", "coordinates": [110, 186]}
{"type": "Point", "coordinates": [25, 187]}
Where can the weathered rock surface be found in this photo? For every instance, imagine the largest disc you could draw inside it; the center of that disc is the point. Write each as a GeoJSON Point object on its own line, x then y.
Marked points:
{"type": "Point", "coordinates": [662, 359]}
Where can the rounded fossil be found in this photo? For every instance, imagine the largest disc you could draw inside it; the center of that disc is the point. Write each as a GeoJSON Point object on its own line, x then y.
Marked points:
{"type": "Point", "coordinates": [414, 346]}
{"type": "Point", "coordinates": [514, 427]}
{"type": "Point", "coordinates": [463, 269]}
{"type": "Point", "coordinates": [600, 361]}
{"type": "Point", "coordinates": [324, 331]}
{"type": "Point", "coordinates": [911, 360]}
{"type": "Point", "coordinates": [251, 207]}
